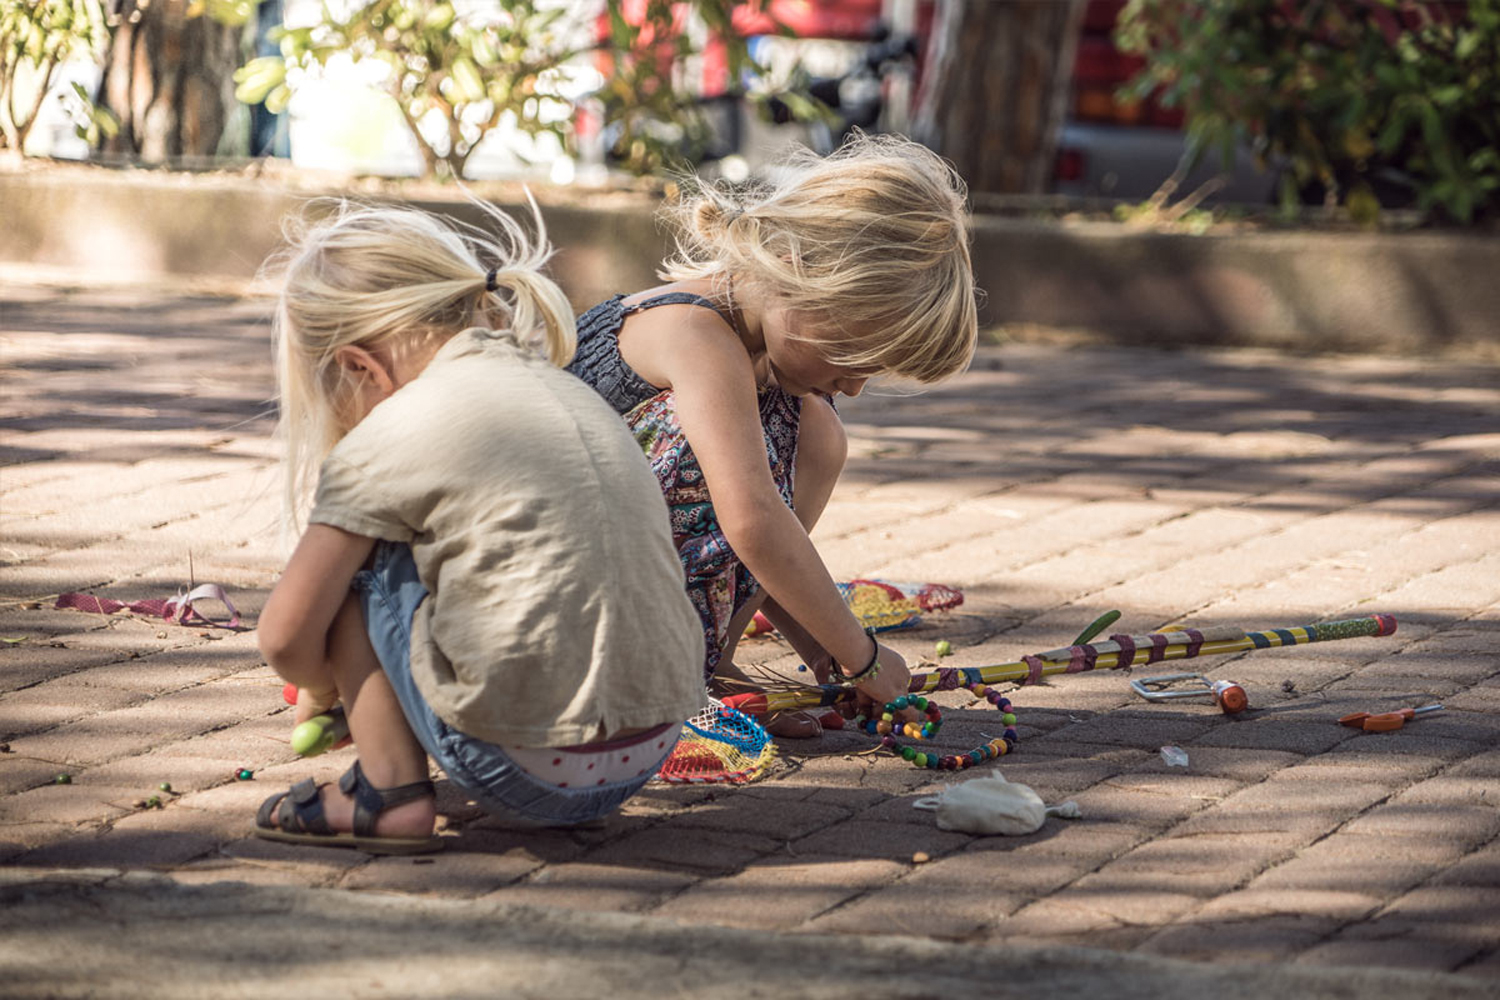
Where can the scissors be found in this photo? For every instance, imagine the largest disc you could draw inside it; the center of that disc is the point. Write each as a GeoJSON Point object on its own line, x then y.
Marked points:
{"type": "Point", "coordinates": [1384, 722]}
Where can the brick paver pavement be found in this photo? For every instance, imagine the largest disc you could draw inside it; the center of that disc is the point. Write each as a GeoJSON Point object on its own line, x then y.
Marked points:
{"type": "Point", "coordinates": [1050, 483]}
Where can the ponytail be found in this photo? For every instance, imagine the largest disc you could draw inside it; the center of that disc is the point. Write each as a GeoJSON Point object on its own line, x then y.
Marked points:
{"type": "Point", "coordinates": [399, 280]}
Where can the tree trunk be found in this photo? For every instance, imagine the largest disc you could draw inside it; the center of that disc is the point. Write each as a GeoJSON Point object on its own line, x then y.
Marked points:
{"type": "Point", "coordinates": [169, 78]}
{"type": "Point", "coordinates": [995, 89]}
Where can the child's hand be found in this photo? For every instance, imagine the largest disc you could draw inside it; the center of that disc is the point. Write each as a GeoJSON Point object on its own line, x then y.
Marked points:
{"type": "Point", "coordinates": [313, 702]}
{"type": "Point", "coordinates": [893, 680]}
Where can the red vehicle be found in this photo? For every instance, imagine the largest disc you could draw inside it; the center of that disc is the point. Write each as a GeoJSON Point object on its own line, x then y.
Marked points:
{"type": "Point", "coordinates": [1107, 147]}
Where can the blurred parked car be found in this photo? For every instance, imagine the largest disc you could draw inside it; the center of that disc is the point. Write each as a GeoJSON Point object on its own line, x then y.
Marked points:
{"type": "Point", "coordinates": [1109, 148]}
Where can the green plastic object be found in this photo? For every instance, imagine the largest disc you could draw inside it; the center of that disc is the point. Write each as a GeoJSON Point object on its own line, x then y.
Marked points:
{"type": "Point", "coordinates": [318, 734]}
{"type": "Point", "coordinates": [1098, 625]}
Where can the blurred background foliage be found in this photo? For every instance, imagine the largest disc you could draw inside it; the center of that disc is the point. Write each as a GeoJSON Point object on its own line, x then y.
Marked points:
{"type": "Point", "coordinates": [1361, 103]}
{"type": "Point", "coordinates": [472, 70]}
{"type": "Point", "coordinates": [36, 39]}
{"type": "Point", "coordinates": [478, 66]}
{"type": "Point", "coordinates": [1366, 105]}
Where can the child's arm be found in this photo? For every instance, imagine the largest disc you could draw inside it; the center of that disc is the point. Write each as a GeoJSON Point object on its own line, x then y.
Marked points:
{"type": "Point", "coordinates": [825, 670]}
{"type": "Point", "coordinates": [294, 626]}
{"type": "Point", "coordinates": [714, 385]}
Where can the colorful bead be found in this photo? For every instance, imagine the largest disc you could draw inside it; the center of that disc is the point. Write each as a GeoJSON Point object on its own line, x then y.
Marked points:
{"type": "Point", "coordinates": [244, 774]}
{"type": "Point", "coordinates": [889, 728]}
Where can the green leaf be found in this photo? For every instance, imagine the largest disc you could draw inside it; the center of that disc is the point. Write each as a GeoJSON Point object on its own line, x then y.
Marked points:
{"type": "Point", "coordinates": [440, 17]}
{"type": "Point", "coordinates": [484, 51]}
{"type": "Point", "coordinates": [1447, 96]}
{"type": "Point", "coordinates": [1362, 205]}
{"type": "Point", "coordinates": [466, 78]}
{"type": "Point", "coordinates": [107, 122]}
{"type": "Point", "coordinates": [258, 78]}
{"type": "Point", "coordinates": [1468, 44]}
{"type": "Point", "coordinates": [277, 100]}
{"type": "Point", "coordinates": [620, 32]}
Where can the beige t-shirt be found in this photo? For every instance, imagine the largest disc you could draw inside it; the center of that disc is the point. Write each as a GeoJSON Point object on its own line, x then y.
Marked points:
{"type": "Point", "coordinates": [556, 610]}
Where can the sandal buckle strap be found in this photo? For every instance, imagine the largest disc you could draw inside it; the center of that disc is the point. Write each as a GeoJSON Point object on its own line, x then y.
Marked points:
{"type": "Point", "coordinates": [370, 802]}
{"type": "Point", "coordinates": [302, 810]}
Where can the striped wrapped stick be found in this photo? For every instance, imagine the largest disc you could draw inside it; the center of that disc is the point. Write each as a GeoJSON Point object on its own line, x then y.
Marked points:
{"type": "Point", "coordinates": [1118, 651]}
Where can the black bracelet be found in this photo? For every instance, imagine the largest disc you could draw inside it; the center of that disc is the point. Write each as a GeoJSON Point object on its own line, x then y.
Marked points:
{"type": "Point", "coordinates": [872, 668]}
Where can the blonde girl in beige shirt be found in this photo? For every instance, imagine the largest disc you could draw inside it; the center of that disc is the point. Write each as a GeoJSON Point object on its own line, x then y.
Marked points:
{"type": "Point", "coordinates": [487, 577]}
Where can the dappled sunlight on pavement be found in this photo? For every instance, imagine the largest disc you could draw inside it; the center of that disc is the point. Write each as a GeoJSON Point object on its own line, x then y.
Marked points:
{"type": "Point", "coordinates": [1051, 483]}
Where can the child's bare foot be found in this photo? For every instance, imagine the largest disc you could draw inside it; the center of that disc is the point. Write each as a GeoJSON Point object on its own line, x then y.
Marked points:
{"type": "Point", "coordinates": [796, 725]}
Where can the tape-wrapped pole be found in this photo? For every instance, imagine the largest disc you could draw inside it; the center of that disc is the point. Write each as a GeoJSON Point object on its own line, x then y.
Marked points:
{"type": "Point", "coordinates": [1150, 648]}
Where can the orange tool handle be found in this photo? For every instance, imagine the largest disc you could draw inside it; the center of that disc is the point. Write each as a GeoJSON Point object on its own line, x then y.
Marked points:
{"type": "Point", "coordinates": [1384, 722]}
{"type": "Point", "coordinates": [1387, 721]}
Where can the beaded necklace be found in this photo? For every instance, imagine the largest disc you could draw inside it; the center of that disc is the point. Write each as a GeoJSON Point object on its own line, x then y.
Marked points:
{"type": "Point", "coordinates": [885, 728]}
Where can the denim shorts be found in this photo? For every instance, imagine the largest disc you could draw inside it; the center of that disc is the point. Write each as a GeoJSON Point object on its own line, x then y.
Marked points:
{"type": "Point", "coordinates": [389, 592]}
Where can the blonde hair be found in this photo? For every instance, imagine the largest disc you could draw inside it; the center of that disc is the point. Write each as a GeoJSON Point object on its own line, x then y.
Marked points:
{"type": "Point", "coordinates": [869, 242]}
{"type": "Point", "coordinates": [402, 282]}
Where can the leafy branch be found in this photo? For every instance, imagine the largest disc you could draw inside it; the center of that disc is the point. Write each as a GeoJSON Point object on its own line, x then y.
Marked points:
{"type": "Point", "coordinates": [36, 38]}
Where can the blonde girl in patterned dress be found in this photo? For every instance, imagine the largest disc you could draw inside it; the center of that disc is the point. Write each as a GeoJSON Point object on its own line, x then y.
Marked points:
{"type": "Point", "coordinates": [780, 298]}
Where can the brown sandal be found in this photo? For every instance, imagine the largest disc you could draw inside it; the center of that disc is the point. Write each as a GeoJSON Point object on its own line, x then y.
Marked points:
{"type": "Point", "coordinates": [299, 816]}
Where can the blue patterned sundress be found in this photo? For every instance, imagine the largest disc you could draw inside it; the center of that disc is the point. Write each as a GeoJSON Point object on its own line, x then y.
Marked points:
{"type": "Point", "coordinates": [718, 584]}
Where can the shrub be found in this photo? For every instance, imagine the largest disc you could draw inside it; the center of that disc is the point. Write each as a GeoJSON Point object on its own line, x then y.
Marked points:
{"type": "Point", "coordinates": [1370, 103]}
{"type": "Point", "coordinates": [473, 68]}
{"type": "Point", "coordinates": [475, 64]}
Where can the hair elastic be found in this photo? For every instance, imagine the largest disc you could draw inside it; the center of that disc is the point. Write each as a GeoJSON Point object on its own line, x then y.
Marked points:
{"type": "Point", "coordinates": [490, 284]}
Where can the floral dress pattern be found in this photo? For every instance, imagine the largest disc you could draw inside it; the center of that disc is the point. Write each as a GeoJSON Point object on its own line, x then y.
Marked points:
{"type": "Point", "coordinates": [718, 584]}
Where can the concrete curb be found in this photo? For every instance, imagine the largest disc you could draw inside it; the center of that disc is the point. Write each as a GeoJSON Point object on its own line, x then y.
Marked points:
{"type": "Point", "coordinates": [1413, 293]}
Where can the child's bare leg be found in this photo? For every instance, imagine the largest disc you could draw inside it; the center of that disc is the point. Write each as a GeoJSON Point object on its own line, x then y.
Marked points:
{"type": "Point", "coordinates": [388, 752]}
